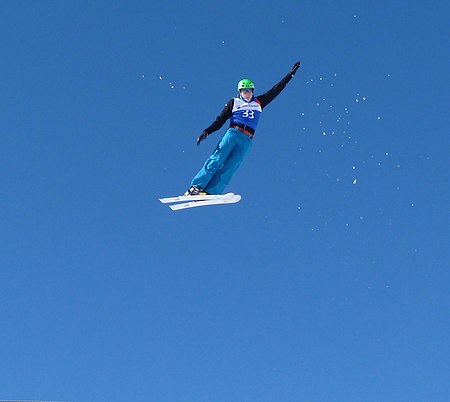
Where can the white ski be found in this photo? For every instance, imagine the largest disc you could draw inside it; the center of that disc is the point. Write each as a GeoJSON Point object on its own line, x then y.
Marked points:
{"type": "Point", "coordinates": [181, 198]}
{"type": "Point", "coordinates": [202, 203]}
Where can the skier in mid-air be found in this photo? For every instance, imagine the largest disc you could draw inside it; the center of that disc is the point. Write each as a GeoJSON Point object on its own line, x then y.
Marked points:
{"type": "Point", "coordinates": [244, 112]}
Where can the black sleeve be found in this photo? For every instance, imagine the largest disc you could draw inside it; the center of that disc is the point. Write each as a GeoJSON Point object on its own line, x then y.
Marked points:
{"type": "Point", "coordinates": [221, 118]}
{"type": "Point", "coordinates": [272, 93]}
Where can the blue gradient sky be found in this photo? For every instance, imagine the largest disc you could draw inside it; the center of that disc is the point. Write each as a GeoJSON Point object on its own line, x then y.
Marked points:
{"type": "Point", "coordinates": [329, 281]}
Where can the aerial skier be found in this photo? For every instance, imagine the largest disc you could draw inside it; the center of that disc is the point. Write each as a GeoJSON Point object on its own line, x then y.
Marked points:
{"type": "Point", "coordinates": [244, 112]}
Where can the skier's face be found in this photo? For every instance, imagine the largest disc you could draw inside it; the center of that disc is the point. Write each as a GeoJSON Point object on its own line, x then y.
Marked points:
{"type": "Point", "coordinates": [247, 94]}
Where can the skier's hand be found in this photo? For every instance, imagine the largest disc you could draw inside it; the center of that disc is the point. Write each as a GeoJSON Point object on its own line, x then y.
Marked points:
{"type": "Point", "coordinates": [201, 137]}
{"type": "Point", "coordinates": [294, 68]}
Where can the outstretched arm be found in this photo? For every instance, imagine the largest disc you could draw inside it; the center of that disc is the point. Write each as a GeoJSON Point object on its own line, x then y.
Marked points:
{"type": "Point", "coordinates": [272, 93]}
{"type": "Point", "coordinates": [219, 122]}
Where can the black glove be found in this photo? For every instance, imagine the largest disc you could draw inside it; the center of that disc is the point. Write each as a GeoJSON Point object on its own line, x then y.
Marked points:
{"type": "Point", "coordinates": [201, 137]}
{"type": "Point", "coordinates": [294, 68]}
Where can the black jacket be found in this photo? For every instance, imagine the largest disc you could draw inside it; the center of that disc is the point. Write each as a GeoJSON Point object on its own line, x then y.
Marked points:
{"type": "Point", "coordinates": [263, 100]}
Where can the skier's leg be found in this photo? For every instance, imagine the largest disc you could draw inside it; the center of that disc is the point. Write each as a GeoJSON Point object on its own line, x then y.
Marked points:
{"type": "Point", "coordinates": [215, 162]}
{"type": "Point", "coordinates": [237, 155]}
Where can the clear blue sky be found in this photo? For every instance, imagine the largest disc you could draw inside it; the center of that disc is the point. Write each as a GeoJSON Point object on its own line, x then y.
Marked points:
{"type": "Point", "coordinates": [329, 281]}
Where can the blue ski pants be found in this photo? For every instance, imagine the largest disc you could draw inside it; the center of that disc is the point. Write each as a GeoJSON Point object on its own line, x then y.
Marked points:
{"type": "Point", "coordinates": [223, 163]}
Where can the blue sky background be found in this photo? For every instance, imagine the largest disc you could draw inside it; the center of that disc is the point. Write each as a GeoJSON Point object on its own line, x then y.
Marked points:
{"type": "Point", "coordinates": [329, 281]}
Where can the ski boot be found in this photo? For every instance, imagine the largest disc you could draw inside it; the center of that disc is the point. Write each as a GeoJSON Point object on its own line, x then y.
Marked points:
{"type": "Point", "coordinates": [194, 190]}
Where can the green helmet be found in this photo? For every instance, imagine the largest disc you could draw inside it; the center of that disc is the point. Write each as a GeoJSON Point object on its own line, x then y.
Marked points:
{"type": "Point", "coordinates": [245, 83]}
